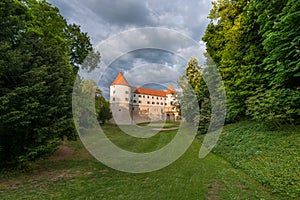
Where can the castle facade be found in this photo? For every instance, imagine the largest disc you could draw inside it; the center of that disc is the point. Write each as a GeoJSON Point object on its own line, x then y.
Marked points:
{"type": "Point", "coordinates": [136, 105]}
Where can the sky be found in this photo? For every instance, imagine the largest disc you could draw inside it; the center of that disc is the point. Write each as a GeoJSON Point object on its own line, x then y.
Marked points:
{"type": "Point", "coordinates": [119, 30]}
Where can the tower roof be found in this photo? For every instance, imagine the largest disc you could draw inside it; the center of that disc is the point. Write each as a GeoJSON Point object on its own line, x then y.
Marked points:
{"type": "Point", "coordinates": [171, 90]}
{"type": "Point", "coordinates": [120, 80]}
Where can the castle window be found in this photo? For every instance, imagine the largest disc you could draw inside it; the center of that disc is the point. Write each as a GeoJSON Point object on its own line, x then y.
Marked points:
{"type": "Point", "coordinates": [134, 101]}
{"type": "Point", "coordinates": [134, 95]}
{"type": "Point", "coordinates": [144, 96]}
{"type": "Point", "coordinates": [114, 99]}
{"type": "Point", "coordinates": [126, 99]}
{"type": "Point", "coordinates": [157, 98]}
{"type": "Point", "coordinates": [126, 92]}
{"type": "Point", "coordinates": [161, 103]}
{"type": "Point", "coordinates": [114, 92]}
{"type": "Point", "coordinates": [153, 102]}
{"type": "Point", "coordinates": [148, 97]}
{"type": "Point", "coordinates": [152, 97]}
{"type": "Point", "coordinates": [160, 98]}
{"type": "Point", "coordinates": [140, 95]}
{"type": "Point", "coordinates": [165, 103]}
{"type": "Point", "coordinates": [140, 101]}
{"type": "Point", "coordinates": [132, 108]}
{"type": "Point", "coordinates": [148, 102]}
{"type": "Point", "coordinates": [157, 103]}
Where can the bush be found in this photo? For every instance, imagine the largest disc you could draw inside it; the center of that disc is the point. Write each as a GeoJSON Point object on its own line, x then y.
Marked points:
{"type": "Point", "coordinates": [277, 106]}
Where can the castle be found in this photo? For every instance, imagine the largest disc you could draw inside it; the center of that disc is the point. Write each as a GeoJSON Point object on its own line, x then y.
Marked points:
{"type": "Point", "coordinates": [136, 105]}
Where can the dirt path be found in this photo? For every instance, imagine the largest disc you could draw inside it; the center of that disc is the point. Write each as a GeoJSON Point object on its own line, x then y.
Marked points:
{"type": "Point", "coordinates": [62, 153]}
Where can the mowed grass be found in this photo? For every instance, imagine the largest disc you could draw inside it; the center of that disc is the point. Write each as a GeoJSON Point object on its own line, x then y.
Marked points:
{"type": "Point", "coordinates": [167, 124]}
{"type": "Point", "coordinates": [270, 155]}
{"type": "Point", "coordinates": [72, 173]}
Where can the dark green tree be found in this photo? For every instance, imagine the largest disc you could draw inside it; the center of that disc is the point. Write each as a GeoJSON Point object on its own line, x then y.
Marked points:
{"type": "Point", "coordinates": [255, 47]}
{"type": "Point", "coordinates": [227, 41]}
{"type": "Point", "coordinates": [196, 107]}
{"type": "Point", "coordinates": [278, 101]}
{"type": "Point", "coordinates": [39, 60]}
{"type": "Point", "coordinates": [104, 112]}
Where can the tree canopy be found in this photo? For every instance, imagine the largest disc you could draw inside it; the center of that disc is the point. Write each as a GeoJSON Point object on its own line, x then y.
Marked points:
{"type": "Point", "coordinates": [255, 45]}
{"type": "Point", "coordinates": [40, 54]}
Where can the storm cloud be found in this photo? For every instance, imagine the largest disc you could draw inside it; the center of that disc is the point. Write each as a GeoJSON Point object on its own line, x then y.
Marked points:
{"type": "Point", "coordinates": [102, 19]}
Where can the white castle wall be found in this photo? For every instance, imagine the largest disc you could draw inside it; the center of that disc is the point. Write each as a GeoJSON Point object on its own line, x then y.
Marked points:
{"type": "Point", "coordinates": [119, 104]}
{"type": "Point", "coordinates": [128, 107]}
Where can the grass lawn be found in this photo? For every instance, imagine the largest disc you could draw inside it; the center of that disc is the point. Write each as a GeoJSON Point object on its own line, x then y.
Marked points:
{"type": "Point", "coordinates": [271, 156]}
{"type": "Point", "coordinates": [168, 124]}
{"type": "Point", "coordinates": [72, 173]}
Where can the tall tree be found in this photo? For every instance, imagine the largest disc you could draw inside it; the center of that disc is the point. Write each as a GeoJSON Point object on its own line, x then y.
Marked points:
{"type": "Point", "coordinates": [39, 63]}
{"type": "Point", "coordinates": [196, 107]}
{"type": "Point", "coordinates": [227, 41]}
{"type": "Point", "coordinates": [255, 46]}
{"type": "Point", "coordinates": [278, 101]}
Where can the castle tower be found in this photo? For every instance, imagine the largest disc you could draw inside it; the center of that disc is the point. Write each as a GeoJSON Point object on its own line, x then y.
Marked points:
{"type": "Point", "coordinates": [120, 94]}
{"type": "Point", "coordinates": [171, 108]}
{"type": "Point", "coordinates": [170, 95]}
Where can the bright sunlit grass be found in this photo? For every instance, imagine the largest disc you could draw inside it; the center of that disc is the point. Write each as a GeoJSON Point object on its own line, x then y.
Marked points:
{"type": "Point", "coordinates": [78, 175]}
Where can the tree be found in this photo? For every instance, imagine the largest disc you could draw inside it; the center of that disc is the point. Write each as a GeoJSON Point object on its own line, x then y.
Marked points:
{"type": "Point", "coordinates": [227, 42]}
{"type": "Point", "coordinates": [90, 104]}
{"type": "Point", "coordinates": [196, 95]}
{"type": "Point", "coordinates": [104, 112]}
{"type": "Point", "coordinates": [37, 76]}
{"type": "Point", "coordinates": [255, 47]}
{"type": "Point", "coordinates": [279, 24]}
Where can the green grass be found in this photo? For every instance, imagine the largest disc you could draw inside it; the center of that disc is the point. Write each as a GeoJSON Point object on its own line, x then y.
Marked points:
{"type": "Point", "coordinates": [80, 176]}
{"type": "Point", "coordinates": [167, 124]}
{"type": "Point", "coordinates": [272, 157]}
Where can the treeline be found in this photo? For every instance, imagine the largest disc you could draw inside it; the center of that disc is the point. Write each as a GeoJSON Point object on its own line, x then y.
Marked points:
{"type": "Point", "coordinates": [40, 55]}
{"type": "Point", "coordinates": [256, 47]}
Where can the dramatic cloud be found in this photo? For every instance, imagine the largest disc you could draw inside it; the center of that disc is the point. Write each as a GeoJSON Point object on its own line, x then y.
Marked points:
{"type": "Point", "coordinates": [142, 67]}
{"type": "Point", "coordinates": [103, 19]}
{"type": "Point", "coordinates": [121, 13]}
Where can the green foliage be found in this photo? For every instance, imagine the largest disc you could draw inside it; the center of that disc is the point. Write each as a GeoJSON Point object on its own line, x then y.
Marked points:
{"type": "Point", "coordinates": [282, 41]}
{"type": "Point", "coordinates": [196, 107]}
{"type": "Point", "coordinates": [276, 106]}
{"type": "Point", "coordinates": [104, 112]}
{"type": "Point", "coordinates": [229, 39]}
{"type": "Point", "coordinates": [37, 74]}
{"type": "Point", "coordinates": [189, 103]}
{"type": "Point", "coordinates": [102, 107]}
{"type": "Point", "coordinates": [89, 103]}
{"type": "Point", "coordinates": [269, 156]}
{"type": "Point", "coordinates": [255, 44]}
{"type": "Point", "coordinates": [81, 176]}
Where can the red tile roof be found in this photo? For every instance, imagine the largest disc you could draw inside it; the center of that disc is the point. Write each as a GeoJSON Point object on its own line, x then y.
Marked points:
{"type": "Point", "coordinates": [171, 90]}
{"type": "Point", "coordinates": [120, 80]}
{"type": "Point", "coordinates": [160, 93]}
